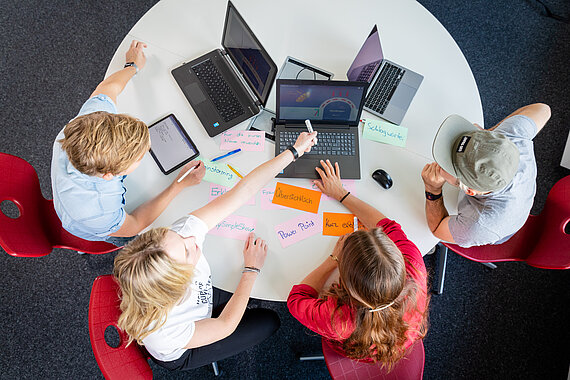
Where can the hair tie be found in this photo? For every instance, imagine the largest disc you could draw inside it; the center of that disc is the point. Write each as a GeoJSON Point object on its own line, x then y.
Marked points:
{"type": "Point", "coordinates": [382, 307]}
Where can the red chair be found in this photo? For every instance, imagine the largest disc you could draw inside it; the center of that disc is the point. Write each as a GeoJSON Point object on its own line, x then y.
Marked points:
{"type": "Point", "coordinates": [410, 367]}
{"type": "Point", "coordinates": [121, 362]}
{"type": "Point", "coordinates": [543, 241]}
{"type": "Point", "coordinates": [37, 229]}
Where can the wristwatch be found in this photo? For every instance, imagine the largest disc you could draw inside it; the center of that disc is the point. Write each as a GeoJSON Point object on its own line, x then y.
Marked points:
{"type": "Point", "coordinates": [433, 197]}
{"type": "Point", "coordinates": [294, 151]}
{"type": "Point", "coordinates": [132, 64]}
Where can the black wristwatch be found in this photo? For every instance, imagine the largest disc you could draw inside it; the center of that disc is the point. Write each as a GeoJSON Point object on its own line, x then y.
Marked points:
{"type": "Point", "coordinates": [294, 151]}
{"type": "Point", "coordinates": [433, 197]}
{"type": "Point", "coordinates": [132, 64]}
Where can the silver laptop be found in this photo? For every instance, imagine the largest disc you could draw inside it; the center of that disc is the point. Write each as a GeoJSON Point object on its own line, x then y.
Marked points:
{"type": "Point", "coordinates": [392, 87]}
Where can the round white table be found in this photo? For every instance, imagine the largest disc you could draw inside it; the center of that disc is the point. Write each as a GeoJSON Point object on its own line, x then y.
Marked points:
{"type": "Point", "coordinates": [327, 34]}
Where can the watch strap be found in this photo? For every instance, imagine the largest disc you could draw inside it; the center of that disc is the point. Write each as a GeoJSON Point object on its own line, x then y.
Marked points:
{"type": "Point", "coordinates": [433, 197]}
{"type": "Point", "coordinates": [294, 151]}
{"type": "Point", "coordinates": [132, 64]}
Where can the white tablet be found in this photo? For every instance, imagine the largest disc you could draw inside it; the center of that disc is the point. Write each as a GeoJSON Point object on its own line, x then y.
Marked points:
{"type": "Point", "coordinates": [170, 145]}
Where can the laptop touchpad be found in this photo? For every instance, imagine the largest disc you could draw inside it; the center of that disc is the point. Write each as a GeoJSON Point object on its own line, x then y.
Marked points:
{"type": "Point", "coordinates": [307, 167]}
{"type": "Point", "coordinates": [194, 93]}
{"type": "Point", "coordinates": [403, 96]}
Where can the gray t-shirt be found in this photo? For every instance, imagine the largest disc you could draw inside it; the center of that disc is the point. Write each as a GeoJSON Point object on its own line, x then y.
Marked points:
{"type": "Point", "coordinates": [495, 217]}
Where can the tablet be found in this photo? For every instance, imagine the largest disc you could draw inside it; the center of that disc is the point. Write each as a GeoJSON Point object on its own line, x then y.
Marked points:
{"type": "Point", "coordinates": [171, 147]}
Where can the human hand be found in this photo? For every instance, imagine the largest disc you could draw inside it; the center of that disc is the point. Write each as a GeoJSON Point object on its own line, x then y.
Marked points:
{"type": "Point", "coordinates": [336, 255]}
{"type": "Point", "coordinates": [135, 54]}
{"type": "Point", "coordinates": [195, 177]}
{"type": "Point", "coordinates": [433, 180]}
{"type": "Point", "coordinates": [304, 142]}
{"type": "Point", "coordinates": [330, 183]}
{"type": "Point", "coordinates": [254, 251]}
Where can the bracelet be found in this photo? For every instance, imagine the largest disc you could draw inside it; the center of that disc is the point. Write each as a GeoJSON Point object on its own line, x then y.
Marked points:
{"type": "Point", "coordinates": [251, 269]}
{"type": "Point", "coordinates": [294, 151]}
{"type": "Point", "coordinates": [343, 198]}
{"type": "Point", "coordinates": [132, 64]}
{"type": "Point", "coordinates": [334, 258]}
{"type": "Point", "coordinates": [433, 197]}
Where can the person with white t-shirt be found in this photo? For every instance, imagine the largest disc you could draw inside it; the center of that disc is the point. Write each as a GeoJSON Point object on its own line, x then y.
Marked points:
{"type": "Point", "coordinates": [168, 303]}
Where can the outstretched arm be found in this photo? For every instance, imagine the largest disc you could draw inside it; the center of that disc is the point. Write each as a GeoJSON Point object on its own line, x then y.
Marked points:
{"type": "Point", "coordinates": [538, 112]}
{"type": "Point", "coordinates": [436, 213]}
{"type": "Point", "coordinates": [115, 83]}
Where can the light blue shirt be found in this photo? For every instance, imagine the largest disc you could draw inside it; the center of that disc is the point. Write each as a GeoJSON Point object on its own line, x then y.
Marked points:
{"type": "Point", "coordinates": [89, 207]}
{"type": "Point", "coordinates": [493, 218]}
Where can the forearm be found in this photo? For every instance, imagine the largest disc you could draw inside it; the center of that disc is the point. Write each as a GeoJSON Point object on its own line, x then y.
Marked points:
{"type": "Point", "coordinates": [234, 309]}
{"type": "Point", "coordinates": [363, 211]}
{"type": "Point", "coordinates": [115, 83]}
{"type": "Point", "coordinates": [146, 213]}
{"type": "Point", "coordinates": [317, 278]}
{"type": "Point", "coordinates": [435, 213]}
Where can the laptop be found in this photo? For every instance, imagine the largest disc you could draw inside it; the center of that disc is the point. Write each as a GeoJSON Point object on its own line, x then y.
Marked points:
{"type": "Point", "coordinates": [227, 86]}
{"type": "Point", "coordinates": [392, 87]}
{"type": "Point", "coordinates": [334, 109]}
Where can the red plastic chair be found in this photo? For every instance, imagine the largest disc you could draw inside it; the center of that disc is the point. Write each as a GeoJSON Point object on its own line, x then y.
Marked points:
{"type": "Point", "coordinates": [543, 241]}
{"type": "Point", "coordinates": [118, 363]}
{"type": "Point", "coordinates": [38, 229]}
{"type": "Point", "coordinates": [410, 367]}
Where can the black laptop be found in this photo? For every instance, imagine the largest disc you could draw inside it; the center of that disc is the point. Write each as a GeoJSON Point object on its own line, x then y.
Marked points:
{"type": "Point", "coordinates": [226, 87]}
{"type": "Point", "coordinates": [334, 109]}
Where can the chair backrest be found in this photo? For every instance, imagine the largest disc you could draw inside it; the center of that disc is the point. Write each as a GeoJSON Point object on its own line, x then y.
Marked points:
{"type": "Point", "coordinates": [121, 362]}
{"type": "Point", "coordinates": [37, 229]}
{"type": "Point", "coordinates": [410, 367]}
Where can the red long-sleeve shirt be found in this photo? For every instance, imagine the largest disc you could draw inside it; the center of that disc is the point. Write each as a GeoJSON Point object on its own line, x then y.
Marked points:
{"type": "Point", "coordinates": [315, 313]}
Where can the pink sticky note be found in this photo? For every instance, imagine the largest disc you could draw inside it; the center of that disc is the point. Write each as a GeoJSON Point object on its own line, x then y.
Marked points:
{"type": "Point", "coordinates": [246, 140]}
{"type": "Point", "coordinates": [299, 228]}
{"type": "Point", "coordinates": [348, 184]}
{"type": "Point", "coordinates": [234, 227]}
{"type": "Point", "coordinates": [217, 190]}
{"type": "Point", "coordinates": [267, 197]}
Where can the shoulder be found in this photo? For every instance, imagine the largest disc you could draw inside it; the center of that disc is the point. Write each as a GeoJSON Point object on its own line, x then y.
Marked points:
{"type": "Point", "coordinates": [410, 251]}
{"type": "Point", "coordinates": [518, 127]}
{"type": "Point", "coordinates": [191, 225]}
{"type": "Point", "coordinates": [96, 103]}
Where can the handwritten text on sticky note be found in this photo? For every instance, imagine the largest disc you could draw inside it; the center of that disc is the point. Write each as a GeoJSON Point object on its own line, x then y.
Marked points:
{"type": "Point", "coordinates": [338, 224]}
{"type": "Point", "coordinates": [266, 199]}
{"type": "Point", "coordinates": [219, 173]}
{"type": "Point", "coordinates": [385, 132]}
{"type": "Point", "coordinates": [297, 229]}
{"type": "Point", "coordinates": [234, 227]}
{"type": "Point", "coordinates": [217, 190]}
{"type": "Point", "coordinates": [246, 140]}
{"type": "Point", "coordinates": [297, 197]}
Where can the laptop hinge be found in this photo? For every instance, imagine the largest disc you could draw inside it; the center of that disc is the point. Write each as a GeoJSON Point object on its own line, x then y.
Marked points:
{"type": "Point", "coordinates": [240, 76]}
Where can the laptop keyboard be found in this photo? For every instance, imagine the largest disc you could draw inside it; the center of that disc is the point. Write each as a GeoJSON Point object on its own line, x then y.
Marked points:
{"type": "Point", "coordinates": [329, 143]}
{"type": "Point", "coordinates": [384, 88]}
{"type": "Point", "coordinates": [366, 72]}
{"type": "Point", "coordinates": [225, 101]}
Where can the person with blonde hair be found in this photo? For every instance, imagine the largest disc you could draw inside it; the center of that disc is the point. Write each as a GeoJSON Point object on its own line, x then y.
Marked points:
{"type": "Point", "coordinates": [93, 154]}
{"type": "Point", "coordinates": [378, 307]}
{"type": "Point", "coordinates": [168, 303]}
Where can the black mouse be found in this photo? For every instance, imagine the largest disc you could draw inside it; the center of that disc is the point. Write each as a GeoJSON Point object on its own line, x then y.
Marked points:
{"type": "Point", "coordinates": [382, 178]}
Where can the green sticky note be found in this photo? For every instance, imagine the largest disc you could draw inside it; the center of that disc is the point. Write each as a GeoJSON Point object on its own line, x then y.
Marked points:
{"type": "Point", "coordinates": [219, 173]}
{"type": "Point", "coordinates": [385, 132]}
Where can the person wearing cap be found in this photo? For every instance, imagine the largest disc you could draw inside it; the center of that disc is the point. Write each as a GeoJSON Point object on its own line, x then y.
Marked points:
{"type": "Point", "coordinates": [494, 168]}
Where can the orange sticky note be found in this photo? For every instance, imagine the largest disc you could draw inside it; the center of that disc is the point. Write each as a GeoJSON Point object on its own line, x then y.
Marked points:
{"type": "Point", "coordinates": [297, 197]}
{"type": "Point", "coordinates": [338, 224]}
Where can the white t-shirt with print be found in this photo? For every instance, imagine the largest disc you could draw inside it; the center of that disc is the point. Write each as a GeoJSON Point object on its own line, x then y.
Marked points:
{"type": "Point", "coordinates": [168, 342]}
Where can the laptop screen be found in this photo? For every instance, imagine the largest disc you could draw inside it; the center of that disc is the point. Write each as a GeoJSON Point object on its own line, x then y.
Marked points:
{"type": "Point", "coordinates": [248, 55]}
{"type": "Point", "coordinates": [320, 101]}
{"type": "Point", "coordinates": [367, 60]}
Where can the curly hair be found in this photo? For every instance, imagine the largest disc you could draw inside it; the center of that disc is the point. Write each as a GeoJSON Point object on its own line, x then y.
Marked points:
{"type": "Point", "coordinates": [151, 284]}
{"type": "Point", "coordinates": [373, 274]}
{"type": "Point", "coordinates": [102, 142]}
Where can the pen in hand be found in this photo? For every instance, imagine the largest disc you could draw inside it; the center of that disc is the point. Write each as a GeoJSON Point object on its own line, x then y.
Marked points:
{"type": "Point", "coordinates": [309, 126]}
{"type": "Point", "coordinates": [188, 172]}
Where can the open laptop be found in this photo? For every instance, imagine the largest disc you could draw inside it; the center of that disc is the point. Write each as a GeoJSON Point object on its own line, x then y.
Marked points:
{"type": "Point", "coordinates": [226, 87]}
{"type": "Point", "coordinates": [334, 108]}
{"type": "Point", "coordinates": [392, 87]}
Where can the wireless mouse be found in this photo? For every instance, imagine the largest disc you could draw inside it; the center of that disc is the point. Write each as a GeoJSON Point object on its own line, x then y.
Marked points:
{"type": "Point", "coordinates": [382, 178]}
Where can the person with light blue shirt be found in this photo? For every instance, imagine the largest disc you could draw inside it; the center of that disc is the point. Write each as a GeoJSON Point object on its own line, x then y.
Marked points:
{"type": "Point", "coordinates": [94, 153]}
{"type": "Point", "coordinates": [494, 168]}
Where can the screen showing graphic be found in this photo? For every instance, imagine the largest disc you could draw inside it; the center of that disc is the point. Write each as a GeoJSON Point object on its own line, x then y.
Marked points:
{"type": "Point", "coordinates": [320, 102]}
{"type": "Point", "coordinates": [169, 144]}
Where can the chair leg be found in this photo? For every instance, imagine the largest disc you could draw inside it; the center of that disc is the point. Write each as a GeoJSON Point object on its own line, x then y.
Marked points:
{"type": "Point", "coordinates": [81, 253]}
{"type": "Point", "coordinates": [308, 358]}
{"type": "Point", "coordinates": [490, 265]}
{"type": "Point", "coordinates": [441, 264]}
{"type": "Point", "coordinates": [216, 370]}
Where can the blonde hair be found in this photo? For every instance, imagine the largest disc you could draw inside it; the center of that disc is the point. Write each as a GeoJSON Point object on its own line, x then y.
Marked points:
{"type": "Point", "coordinates": [102, 142]}
{"type": "Point", "coordinates": [151, 284]}
{"type": "Point", "coordinates": [372, 275]}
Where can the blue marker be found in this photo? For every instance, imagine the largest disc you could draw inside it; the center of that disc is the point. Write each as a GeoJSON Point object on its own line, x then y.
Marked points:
{"type": "Point", "coordinates": [225, 155]}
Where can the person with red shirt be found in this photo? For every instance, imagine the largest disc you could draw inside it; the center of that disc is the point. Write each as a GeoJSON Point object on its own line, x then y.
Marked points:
{"type": "Point", "coordinates": [378, 307]}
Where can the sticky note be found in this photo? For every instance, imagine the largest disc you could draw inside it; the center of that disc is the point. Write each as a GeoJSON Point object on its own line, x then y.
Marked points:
{"type": "Point", "coordinates": [348, 184]}
{"type": "Point", "coordinates": [217, 190]}
{"type": "Point", "coordinates": [267, 198]}
{"type": "Point", "coordinates": [338, 224]}
{"type": "Point", "coordinates": [297, 197]}
{"type": "Point", "coordinates": [219, 173]}
{"type": "Point", "coordinates": [234, 227]}
{"type": "Point", "coordinates": [246, 140]}
{"type": "Point", "coordinates": [297, 229]}
{"type": "Point", "coordinates": [385, 132]}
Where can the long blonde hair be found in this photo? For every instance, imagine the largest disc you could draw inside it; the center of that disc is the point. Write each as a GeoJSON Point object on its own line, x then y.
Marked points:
{"type": "Point", "coordinates": [151, 284]}
{"type": "Point", "coordinates": [372, 275]}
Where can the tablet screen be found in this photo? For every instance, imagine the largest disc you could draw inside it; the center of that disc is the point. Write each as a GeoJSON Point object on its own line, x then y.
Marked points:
{"type": "Point", "coordinates": [171, 147]}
